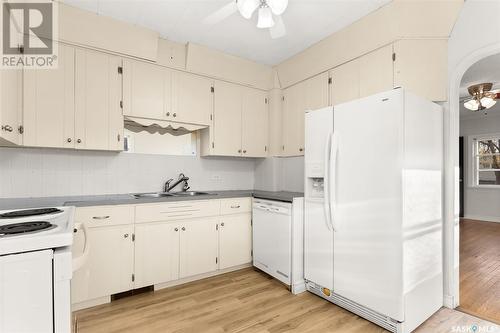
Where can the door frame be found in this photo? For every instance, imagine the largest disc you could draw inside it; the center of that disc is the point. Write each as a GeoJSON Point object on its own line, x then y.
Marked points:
{"type": "Point", "coordinates": [451, 234]}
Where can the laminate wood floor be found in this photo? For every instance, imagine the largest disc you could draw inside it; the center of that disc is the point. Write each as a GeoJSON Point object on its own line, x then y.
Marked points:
{"type": "Point", "coordinates": [480, 269]}
{"type": "Point", "coordinates": [242, 301]}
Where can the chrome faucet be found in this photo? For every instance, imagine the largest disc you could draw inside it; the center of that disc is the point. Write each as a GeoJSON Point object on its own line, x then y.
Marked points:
{"type": "Point", "coordinates": [182, 178]}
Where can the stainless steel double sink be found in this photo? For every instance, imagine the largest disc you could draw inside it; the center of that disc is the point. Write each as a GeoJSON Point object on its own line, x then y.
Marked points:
{"type": "Point", "coordinates": [168, 194]}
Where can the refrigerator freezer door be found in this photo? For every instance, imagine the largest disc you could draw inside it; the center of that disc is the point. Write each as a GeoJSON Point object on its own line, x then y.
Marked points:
{"type": "Point", "coordinates": [318, 233]}
{"type": "Point", "coordinates": [368, 201]}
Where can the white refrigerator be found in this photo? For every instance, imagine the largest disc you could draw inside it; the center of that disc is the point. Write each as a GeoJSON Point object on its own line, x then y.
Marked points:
{"type": "Point", "coordinates": [373, 207]}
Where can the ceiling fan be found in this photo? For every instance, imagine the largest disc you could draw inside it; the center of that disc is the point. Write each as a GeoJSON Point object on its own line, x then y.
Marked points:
{"type": "Point", "coordinates": [269, 14]}
{"type": "Point", "coordinates": [482, 97]}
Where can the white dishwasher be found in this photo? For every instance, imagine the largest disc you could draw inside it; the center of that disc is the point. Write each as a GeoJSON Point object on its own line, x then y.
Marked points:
{"type": "Point", "coordinates": [272, 238]}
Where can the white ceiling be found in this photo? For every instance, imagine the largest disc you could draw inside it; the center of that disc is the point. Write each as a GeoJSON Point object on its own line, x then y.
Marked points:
{"type": "Point", "coordinates": [307, 22]}
{"type": "Point", "coordinates": [485, 70]}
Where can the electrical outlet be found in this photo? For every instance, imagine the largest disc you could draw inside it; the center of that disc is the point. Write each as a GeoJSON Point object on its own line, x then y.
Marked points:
{"type": "Point", "coordinates": [216, 178]}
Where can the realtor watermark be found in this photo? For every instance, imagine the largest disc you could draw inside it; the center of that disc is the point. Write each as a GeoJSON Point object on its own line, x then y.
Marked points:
{"type": "Point", "coordinates": [29, 32]}
{"type": "Point", "coordinates": [474, 329]}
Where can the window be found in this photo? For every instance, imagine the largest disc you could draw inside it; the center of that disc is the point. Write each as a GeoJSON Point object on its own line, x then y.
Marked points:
{"type": "Point", "coordinates": [486, 160]}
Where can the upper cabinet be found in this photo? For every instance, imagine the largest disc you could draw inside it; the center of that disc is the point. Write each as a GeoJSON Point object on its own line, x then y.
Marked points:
{"type": "Point", "coordinates": [376, 71]}
{"type": "Point", "coordinates": [239, 123]}
{"type": "Point", "coordinates": [156, 92]}
{"type": "Point", "coordinates": [146, 90]}
{"type": "Point", "coordinates": [310, 94]}
{"type": "Point", "coordinates": [49, 103]}
{"type": "Point", "coordinates": [225, 132]}
{"type": "Point", "coordinates": [255, 122]}
{"type": "Point", "coordinates": [11, 107]}
{"type": "Point", "coordinates": [192, 99]}
{"type": "Point", "coordinates": [370, 74]}
{"type": "Point", "coordinates": [344, 83]}
{"type": "Point", "coordinates": [76, 105]}
{"type": "Point", "coordinates": [420, 65]}
{"type": "Point", "coordinates": [98, 96]}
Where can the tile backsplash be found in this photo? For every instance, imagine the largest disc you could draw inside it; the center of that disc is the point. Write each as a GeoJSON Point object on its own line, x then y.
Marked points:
{"type": "Point", "coordinates": [54, 172]}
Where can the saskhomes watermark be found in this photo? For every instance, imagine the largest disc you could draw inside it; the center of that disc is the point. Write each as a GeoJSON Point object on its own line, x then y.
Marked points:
{"type": "Point", "coordinates": [29, 29]}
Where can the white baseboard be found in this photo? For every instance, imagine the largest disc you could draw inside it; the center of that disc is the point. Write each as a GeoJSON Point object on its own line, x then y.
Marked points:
{"type": "Point", "coordinates": [90, 303]}
{"type": "Point", "coordinates": [449, 302]}
{"type": "Point", "coordinates": [483, 218]}
{"type": "Point", "coordinates": [298, 288]}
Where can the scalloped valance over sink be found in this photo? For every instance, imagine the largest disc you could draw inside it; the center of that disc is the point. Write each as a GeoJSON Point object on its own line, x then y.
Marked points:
{"type": "Point", "coordinates": [153, 126]}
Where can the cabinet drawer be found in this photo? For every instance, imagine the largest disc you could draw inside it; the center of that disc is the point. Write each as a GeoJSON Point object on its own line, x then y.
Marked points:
{"type": "Point", "coordinates": [235, 206]}
{"type": "Point", "coordinates": [100, 216]}
{"type": "Point", "coordinates": [176, 210]}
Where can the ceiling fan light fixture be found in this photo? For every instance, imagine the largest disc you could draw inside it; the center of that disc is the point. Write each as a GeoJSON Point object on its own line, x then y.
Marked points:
{"type": "Point", "coordinates": [472, 105]}
{"type": "Point", "coordinates": [487, 102]}
{"type": "Point", "coordinates": [278, 7]}
{"type": "Point", "coordinates": [265, 18]}
{"type": "Point", "coordinates": [247, 7]}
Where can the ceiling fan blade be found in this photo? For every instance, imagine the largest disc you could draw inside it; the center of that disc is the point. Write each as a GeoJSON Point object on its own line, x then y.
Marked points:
{"type": "Point", "coordinates": [221, 13]}
{"type": "Point", "coordinates": [279, 29]}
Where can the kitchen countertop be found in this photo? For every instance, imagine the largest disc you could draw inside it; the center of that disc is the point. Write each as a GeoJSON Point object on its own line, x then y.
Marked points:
{"type": "Point", "coordinates": [129, 199]}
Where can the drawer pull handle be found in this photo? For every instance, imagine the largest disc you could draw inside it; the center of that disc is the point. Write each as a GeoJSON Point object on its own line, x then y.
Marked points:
{"type": "Point", "coordinates": [101, 217]}
{"type": "Point", "coordinates": [235, 206]}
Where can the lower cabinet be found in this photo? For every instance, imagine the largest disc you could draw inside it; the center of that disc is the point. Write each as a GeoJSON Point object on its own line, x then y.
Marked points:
{"type": "Point", "coordinates": [156, 253]}
{"type": "Point", "coordinates": [131, 248]}
{"type": "Point", "coordinates": [235, 240]}
{"type": "Point", "coordinates": [110, 264]}
{"type": "Point", "coordinates": [167, 251]}
{"type": "Point", "coordinates": [198, 247]}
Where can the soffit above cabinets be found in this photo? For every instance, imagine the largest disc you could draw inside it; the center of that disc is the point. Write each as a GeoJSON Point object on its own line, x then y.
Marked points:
{"type": "Point", "coordinates": [307, 22]}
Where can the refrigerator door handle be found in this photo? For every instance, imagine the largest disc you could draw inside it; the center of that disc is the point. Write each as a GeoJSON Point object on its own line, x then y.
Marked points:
{"type": "Point", "coordinates": [333, 180]}
{"type": "Point", "coordinates": [326, 182]}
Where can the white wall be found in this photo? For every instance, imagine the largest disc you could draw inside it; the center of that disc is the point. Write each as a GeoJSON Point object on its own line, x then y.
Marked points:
{"type": "Point", "coordinates": [464, 47]}
{"type": "Point", "coordinates": [51, 172]}
{"type": "Point", "coordinates": [280, 174]}
{"type": "Point", "coordinates": [480, 203]}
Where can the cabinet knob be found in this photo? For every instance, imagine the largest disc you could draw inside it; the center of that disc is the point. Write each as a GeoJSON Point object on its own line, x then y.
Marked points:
{"type": "Point", "coordinates": [176, 229]}
{"type": "Point", "coordinates": [244, 151]}
{"type": "Point", "coordinates": [125, 236]}
{"type": "Point", "coordinates": [183, 229]}
{"type": "Point", "coordinates": [7, 128]}
{"type": "Point", "coordinates": [222, 224]}
{"type": "Point", "coordinates": [175, 115]}
{"type": "Point", "coordinates": [239, 151]}
{"type": "Point", "coordinates": [69, 140]}
{"type": "Point", "coordinates": [79, 141]}
{"type": "Point", "coordinates": [168, 114]}
{"type": "Point", "coordinates": [301, 149]}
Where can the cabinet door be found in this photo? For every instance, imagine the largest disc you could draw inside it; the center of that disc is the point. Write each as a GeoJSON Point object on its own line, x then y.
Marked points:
{"type": "Point", "coordinates": [98, 92]}
{"type": "Point", "coordinates": [227, 119]}
{"type": "Point", "coordinates": [156, 253]}
{"type": "Point", "coordinates": [421, 67]}
{"type": "Point", "coordinates": [254, 124]}
{"type": "Point", "coordinates": [146, 90]}
{"type": "Point", "coordinates": [235, 240]}
{"type": "Point", "coordinates": [110, 264]}
{"type": "Point", "coordinates": [316, 97]}
{"type": "Point", "coordinates": [198, 247]}
{"type": "Point", "coordinates": [292, 101]}
{"type": "Point", "coordinates": [344, 85]}
{"type": "Point", "coordinates": [376, 72]}
{"type": "Point", "coordinates": [11, 88]}
{"type": "Point", "coordinates": [49, 103]}
{"type": "Point", "coordinates": [193, 99]}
